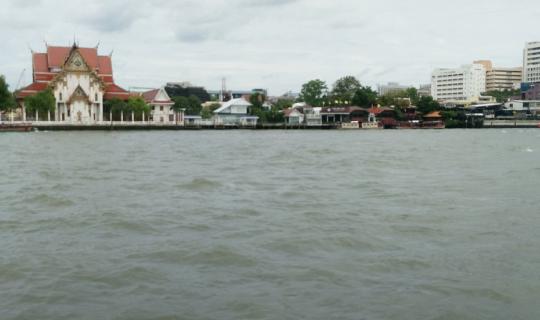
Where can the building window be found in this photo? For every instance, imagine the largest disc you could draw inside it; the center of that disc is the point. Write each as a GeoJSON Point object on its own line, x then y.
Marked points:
{"type": "Point", "coordinates": [60, 96]}
{"type": "Point", "coordinates": [153, 108]}
{"type": "Point", "coordinates": [96, 96]}
{"type": "Point", "coordinates": [160, 108]}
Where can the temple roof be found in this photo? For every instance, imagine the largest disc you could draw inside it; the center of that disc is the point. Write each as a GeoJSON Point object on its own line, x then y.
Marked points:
{"type": "Point", "coordinates": [53, 60]}
{"type": "Point", "coordinates": [46, 65]}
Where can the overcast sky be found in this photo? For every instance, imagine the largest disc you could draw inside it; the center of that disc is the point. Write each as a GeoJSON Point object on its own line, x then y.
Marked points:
{"type": "Point", "coordinates": [273, 44]}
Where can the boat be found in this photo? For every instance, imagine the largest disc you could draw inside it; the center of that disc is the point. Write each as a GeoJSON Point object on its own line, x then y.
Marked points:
{"type": "Point", "coordinates": [15, 127]}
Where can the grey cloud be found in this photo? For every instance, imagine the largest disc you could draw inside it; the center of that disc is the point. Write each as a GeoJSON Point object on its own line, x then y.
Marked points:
{"type": "Point", "coordinates": [193, 36]}
{"type": "Point", "coordinates": [249, 41]}
{"type": "Point", "coordinates": [114, 16]}
{"type": "Point", "coordinates": [268, 3]}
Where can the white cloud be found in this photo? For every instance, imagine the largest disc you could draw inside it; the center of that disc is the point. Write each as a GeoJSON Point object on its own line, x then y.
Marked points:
{"type": "Point", "coordinates": [274, 44]}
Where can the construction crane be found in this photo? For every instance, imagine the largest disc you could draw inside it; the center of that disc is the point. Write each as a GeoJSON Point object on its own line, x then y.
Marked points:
{"type": "Point", "coordinates": [18, 86]}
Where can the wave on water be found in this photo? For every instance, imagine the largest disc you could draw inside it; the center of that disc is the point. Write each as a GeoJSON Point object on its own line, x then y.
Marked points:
{"type": "Point", "coordinates": [49, 201]}
{"type": "Point", "coordinates": [200, 184]}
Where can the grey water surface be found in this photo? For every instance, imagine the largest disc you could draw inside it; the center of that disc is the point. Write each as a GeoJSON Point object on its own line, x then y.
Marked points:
{"type": "Point", "coordinates": [270, 225]}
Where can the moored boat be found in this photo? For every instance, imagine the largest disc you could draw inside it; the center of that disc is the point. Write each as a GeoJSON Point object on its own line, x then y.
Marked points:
{"type": "Point", "coordinates": [15, 127]}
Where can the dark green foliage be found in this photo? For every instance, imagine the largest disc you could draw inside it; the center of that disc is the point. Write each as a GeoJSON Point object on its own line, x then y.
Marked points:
{"type": "Point", "coordinates": [314, 93]}
{"type": "Point", "coordinates": [42, 102]}
{"type": "Point", "coordinates": [344, 90]}
{"type": "Point", "coordinates": [116, 106]}
{"type": "Point", "coordinates": [208, 111]}
{"type": "Point", "coordinates": [459, 119]}
{"type": "Point", "coordinates": [257, 100]}
{"type": "Point", "coordinates": [503, 96]}
{"type": "Point", "coordinates": [137, 105]}
{"type": "Point", "coordinates": [268, 116]}
{"type": "Point", "coordinates": [7, 101]}
{"type": "Point", "coordinates": [399, 98]}
{"type": "Point", "coordinates": [364, 97]}
{"type": "Point", "coordinates": [191, 105]}
{"type": "Point", "coordinates": [180, 91]}
{"type": "Point", "coordinates": [412, 93]}
{"type": "Point", "coordinates": [282, 104]}
{"type": "Point", "coordinates": [426, 105]}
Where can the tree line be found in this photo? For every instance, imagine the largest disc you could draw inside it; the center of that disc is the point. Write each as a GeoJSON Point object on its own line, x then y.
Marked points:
{"type": "Point", "coordinates": [348, 91]}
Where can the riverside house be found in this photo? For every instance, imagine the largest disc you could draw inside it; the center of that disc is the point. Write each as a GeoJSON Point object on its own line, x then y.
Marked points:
{"type": "Point", "coordinates": [293, 116]}
{"type": "Point", "coordinates": [161, 110]}
{"type": "Point", "coordinates": [338, 115]}
{"type": "Point", "coordinates": [235, 112]}
{"type": "Point", "coordinates": [302, 114]}
{"type": "Point", "coordinates": [80, 80]}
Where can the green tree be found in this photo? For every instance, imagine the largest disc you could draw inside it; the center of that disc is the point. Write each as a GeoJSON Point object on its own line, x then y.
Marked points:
{"type": "Point", "coordinates": [364, 97]}
{"type": "Point", "coordinates": [194, 106]}
{"type": "Point", "coordinates": [426, 105]}
{"type": "Point", "coordinates": [208, 111]}
{"type": "Point", "coordinates": [503, 96]}
{"type": "Point", "coordinates": [314, 93]}
{"type": "Point", "coordinates": [42, 102]}
{"type": "Point", "coordinates": [180, 103]}
{"type": "Point", "coordinates": [7, 101]}
{"type": "Point", "coordinates": [138, 106]}
{"type": "Point", "coordinates": [283, 104]}
{"type": "Point", "coordinates": [412, 93]}
{"type": "Point", "coordinates": [116, 106]}
{"type": "Point", "coordinates": [256, 100]}
{"type": "Point", "coordinates": [344, 90]}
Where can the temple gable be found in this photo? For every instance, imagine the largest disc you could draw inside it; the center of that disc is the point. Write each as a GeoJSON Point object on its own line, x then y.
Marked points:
{"type": "Point", "coordinates": [75, 62]}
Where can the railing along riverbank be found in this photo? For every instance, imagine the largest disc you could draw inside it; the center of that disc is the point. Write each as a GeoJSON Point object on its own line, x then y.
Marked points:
{"type": "Point", "coordinates": [119, 125]}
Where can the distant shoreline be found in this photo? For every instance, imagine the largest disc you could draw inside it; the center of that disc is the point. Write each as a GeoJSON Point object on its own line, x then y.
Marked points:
{"type": "Point", "coordinates": [148, 127]}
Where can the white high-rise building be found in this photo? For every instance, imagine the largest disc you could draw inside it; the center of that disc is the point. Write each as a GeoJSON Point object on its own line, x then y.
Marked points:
{"type": "Point", "coordinates": [531, 62]}
{"type": "Point", "coordinates": [465, 83]}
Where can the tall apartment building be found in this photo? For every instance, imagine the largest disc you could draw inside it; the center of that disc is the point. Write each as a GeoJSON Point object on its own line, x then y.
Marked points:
{"type": "Point", "coordinates": [531, 62]}
{"type": "Point", "coordinates": [501, 79]}
{"type": "Point", "coordinates": [464, 83]}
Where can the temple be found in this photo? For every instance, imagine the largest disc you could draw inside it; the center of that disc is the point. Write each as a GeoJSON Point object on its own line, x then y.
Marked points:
{"type": "Point", "coordinates": [80, 80]}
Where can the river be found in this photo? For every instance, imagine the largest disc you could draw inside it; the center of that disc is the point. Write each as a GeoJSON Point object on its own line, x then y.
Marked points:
{"type": "Point", "coordinates": [270, 225]}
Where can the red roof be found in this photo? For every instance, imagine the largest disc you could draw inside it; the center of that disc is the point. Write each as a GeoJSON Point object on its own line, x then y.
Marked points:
{"type": "Point", "coordinates": [151, 97]}
{"type": "Point", "coordinates": [105, 65]}
{"type": "Point", "coordinates": [434, 114]}
{"type": "Point", "coordinates": [47, 64]}
{"type": "Point", "coordinates": [40, 62]}
{"type": "Point", "coordinates": [114, 91]}
{"type": "Point", "coordinates": [32, 89]}
{"type": "Point", "coordinates": [55, 57]}
{"type": "Point", "coordinates": [377, 110]}
{"type": "Point", "coordinates": [287, 112]}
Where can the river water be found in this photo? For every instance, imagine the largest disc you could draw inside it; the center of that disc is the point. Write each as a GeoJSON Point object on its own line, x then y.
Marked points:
{"type": "Point", "coordinates": [270, 225]}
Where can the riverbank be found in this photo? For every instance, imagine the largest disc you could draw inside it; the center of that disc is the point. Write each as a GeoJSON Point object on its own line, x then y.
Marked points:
{"type": "Point", "coordinates": [52, 126]}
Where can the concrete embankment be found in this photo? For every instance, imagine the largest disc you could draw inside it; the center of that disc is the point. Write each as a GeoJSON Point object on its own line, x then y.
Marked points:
{"type": "Point", "coordinates": [106, 127]}
{"type": "Point", "coordinates": [511, 124]}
